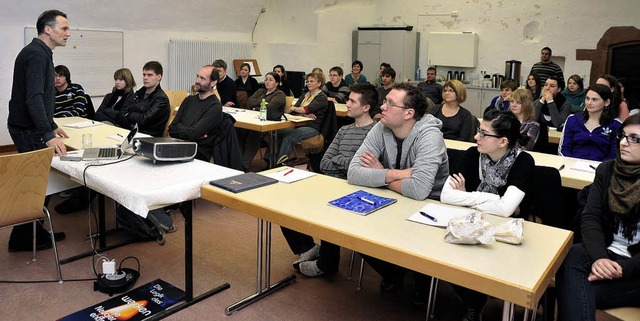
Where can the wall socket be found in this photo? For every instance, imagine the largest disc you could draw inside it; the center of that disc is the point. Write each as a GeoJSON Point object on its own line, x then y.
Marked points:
{"type": "Point", "coordinates": [454, 13]}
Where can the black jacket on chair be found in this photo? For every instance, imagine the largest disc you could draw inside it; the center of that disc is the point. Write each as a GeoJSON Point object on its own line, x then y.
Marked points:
{"type": "Point", "coordinates": [226, 149]}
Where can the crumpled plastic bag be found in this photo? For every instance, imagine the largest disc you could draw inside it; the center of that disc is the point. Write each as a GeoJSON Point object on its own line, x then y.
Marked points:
{"type": "Point", "coordinates": [511, 231]}
{"type": "Point", "coordinates": [469, 229]}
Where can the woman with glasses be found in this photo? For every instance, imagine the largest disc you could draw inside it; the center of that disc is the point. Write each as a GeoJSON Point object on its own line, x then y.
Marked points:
{"type": "Point", "coordinates": [604, 270]}
{"type": "Point", "coordinates": [591, 134]}
{"type": "Point", "coordinates": [457, 122]}
{"type": "Point", "coordinates": [492, 177]}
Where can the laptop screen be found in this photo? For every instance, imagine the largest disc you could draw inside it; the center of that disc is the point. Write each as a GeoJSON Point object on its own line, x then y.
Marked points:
{"type": "Point", "coordinates": [127, 142]}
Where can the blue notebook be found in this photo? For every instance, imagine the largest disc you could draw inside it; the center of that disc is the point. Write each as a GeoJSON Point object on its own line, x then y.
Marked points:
{"type": "Point", "coordinates": [362, 202]}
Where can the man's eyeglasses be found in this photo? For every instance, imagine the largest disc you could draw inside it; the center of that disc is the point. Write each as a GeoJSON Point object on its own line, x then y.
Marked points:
{"type": "Point", "coordinates": [631, 139]}
{"type": "Point", "coordinates": [483, 134]}
{"type": "Point", "coordinates": [390, 104]}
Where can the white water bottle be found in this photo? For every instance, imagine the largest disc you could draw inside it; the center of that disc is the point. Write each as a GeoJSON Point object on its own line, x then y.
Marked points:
{"type": "Point", "coordinates": [418, 74]}
{"type": "Point", "coordinates": [263, 110]}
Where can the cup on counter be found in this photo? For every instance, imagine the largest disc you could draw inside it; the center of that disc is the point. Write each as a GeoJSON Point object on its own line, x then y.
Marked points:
{"type": "Point", "coordinates": [87, 141]}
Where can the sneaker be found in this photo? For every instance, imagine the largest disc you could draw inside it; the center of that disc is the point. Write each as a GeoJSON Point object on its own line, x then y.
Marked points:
{"type": "Point", "coordinates": [309, 255]}
{"type": "Point", "coordinates": [310, 269]}
{"type": "Point", "coordinates": [473, 314]}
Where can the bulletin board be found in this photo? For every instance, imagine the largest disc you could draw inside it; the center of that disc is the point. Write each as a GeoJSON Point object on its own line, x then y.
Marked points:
{"type": "Point", "coordinates": [92, 57]}
{"type": "Point", "coordinates": [255, 70]}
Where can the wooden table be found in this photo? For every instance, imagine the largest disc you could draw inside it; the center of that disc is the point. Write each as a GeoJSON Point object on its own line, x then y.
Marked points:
{"type": "Point", "coordinates": [250, 119]}
{"type": "Point", "coordinates": [514, 273]}
{"type": "Point", "coordinates": [100, 134]}
{"type": "Point", "coordinates": [554, 136]}
{"type": "Point", "coordinates": [570, 178]}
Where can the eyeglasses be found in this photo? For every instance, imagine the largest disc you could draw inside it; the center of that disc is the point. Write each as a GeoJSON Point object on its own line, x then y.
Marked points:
{"type": "Point", "coordinates": [390, 104]}
{"type": "Point", "coordinates": [483, 134]}
{"type": "Point", "coordinates": [631, 139]}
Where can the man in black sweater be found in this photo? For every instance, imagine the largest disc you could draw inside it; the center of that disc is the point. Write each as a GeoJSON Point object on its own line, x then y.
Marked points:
{"type": "Point", "coordinates": [226, 86]}
{"type": "Point", "coordinates": [30, 121]}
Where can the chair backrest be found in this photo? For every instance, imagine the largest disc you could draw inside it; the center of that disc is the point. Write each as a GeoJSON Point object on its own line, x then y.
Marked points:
{"type": "Point", "coordinates": [23, 185]}
{"type": "Point", "coordinates": [242, 98]}
{"type": "Point", "coordinates": [289, 101]}
{"type": "Point", "coordinates": [176, 97]}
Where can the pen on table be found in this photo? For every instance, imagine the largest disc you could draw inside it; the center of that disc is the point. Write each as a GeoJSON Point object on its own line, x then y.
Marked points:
{"type": "Point", "coordinates": [592, 167]}
{"type": "Point", "coordinates": [120, 135]}
{"type": "Point", "coordinates": [367, 201]}
{"type": "Point", "coordinates": [561, 167]}
{"type": "Point", "coordinates": [428, 216]}
{"type": "Point", "coordinates": [289, 172]}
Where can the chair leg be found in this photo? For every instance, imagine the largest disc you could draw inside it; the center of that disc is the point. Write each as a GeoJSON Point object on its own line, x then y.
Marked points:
{"type": "Point", "coordinates": [360, 277]}
{"type": "Point", "coordinates": [55, 246]}
{"type": "Point", "coordinates": [33, 258]}
{"type": "Point", "coordinates": [350, 274]}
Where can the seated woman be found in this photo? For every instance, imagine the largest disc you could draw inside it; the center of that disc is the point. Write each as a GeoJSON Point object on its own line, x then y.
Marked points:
{"type": "Point", "coordinates": [552, 109]}
{"type": "Point", "coordinates": [617, 99]}
{"type": "Point", "coordinates": [604, 272]}
{"type": "Point", "coordinates": [249, 139]}
{"type": "Point", "coordinates": [494, 178]}
{"type": "Point", "coordinates": [113, 101]}
{"type": "Point", "coordinates": [534, 85]}
{"type": "Point", "coordinates": [591, 134]}
{"type": "Point", "coordinates": [574, 93]}
{"type": "Point", "coordinates": [457, 122]}
{"type": "Point", "coordinates": [283, 85]}
{"type": "Point", "coordinates": [245, 82]}
{"type": "Point", "coordinates": [501, 102]}
{"type": "Point", "coordinates": [521, 105]}
{"type": "Point", "coordinates": [356, 76]}
{"type": "Point", "coordinates": [312, 104]}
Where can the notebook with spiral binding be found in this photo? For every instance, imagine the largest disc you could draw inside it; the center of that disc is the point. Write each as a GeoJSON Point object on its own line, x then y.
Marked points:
{"type": "Point", "coordinates": [362, 203]}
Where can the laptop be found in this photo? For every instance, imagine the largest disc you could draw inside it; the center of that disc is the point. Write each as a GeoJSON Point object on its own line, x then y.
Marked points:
{"type": "Point", "coordinates": [109, 153]}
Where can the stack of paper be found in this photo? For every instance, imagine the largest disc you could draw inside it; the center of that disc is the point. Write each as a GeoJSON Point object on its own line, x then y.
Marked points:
{"type": "Point", "coordinates": [441, 213]}
{"type": "Point", "coordinates": [290, 175]}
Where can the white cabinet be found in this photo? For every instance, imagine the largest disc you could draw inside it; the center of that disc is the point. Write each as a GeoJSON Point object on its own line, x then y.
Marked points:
{"type": "Point", "coordinates": [395, 47]}
{"type": "Point", "coordinates": [478, 99]}
{"type": "Point", "coordinates": [456, 49]}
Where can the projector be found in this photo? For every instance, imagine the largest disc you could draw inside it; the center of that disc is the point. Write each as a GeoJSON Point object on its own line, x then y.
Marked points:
{"type": "Point", "coordinates": [164, 149]}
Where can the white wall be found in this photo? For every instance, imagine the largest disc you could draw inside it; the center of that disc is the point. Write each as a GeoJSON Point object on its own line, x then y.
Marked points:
{"type": "Point", "coordinates": [305, 34]}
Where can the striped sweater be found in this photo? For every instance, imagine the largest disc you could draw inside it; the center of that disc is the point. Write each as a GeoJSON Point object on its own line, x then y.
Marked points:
{"type": "Point", "coordinates": [338, 155]}
{"type": "Point", "coordinates": [71, 102]}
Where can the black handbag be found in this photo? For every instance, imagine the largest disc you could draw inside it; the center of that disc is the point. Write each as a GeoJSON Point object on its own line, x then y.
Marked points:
{"type": "Point", "coordinates": [275, 115]}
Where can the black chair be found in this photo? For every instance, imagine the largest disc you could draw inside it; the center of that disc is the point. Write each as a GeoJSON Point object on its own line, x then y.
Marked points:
{"type": "Point", "coordinates": [91, 111]}
{"type": "Point", "coordinates": [328, 129]}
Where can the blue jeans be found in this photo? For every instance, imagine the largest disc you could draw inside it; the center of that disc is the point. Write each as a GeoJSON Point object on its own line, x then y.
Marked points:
{"type": "Point", "coordinates": [291, 136]}
{"type": "Point", "coordinates": [27, 140]}
{"type": "Point", "coordinates": [578, 298]}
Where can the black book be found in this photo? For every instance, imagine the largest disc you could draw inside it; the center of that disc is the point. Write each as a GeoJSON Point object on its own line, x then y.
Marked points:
{"type": "Point", "coordinates": [243, 182]}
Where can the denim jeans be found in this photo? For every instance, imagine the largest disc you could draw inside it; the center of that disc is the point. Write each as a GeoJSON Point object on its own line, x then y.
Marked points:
{"type": "Point", "coordinates": [27, 140]}
{"type": "Point", "coordinates": [291, 136]}
{"type": "Point", "coordinates": [578, 298]}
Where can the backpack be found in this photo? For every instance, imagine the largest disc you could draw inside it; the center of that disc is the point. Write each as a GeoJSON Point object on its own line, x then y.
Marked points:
{"type": "Point", "coordinates": [155, 226]}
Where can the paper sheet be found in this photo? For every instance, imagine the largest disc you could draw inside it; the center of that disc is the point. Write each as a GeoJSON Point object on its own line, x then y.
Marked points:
{"type": "Point", "coordinates": [584, 167]}
{"type": "Point", "coordinates": [290, 175]}
{"type": "Point", "coordinates": [443, 214]}
{"type": "Point", "coordinates": [84, 124]}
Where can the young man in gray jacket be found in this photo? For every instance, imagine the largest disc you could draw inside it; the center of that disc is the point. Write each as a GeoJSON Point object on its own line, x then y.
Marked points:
{"type": "Point", "coordinates": [405, 151]}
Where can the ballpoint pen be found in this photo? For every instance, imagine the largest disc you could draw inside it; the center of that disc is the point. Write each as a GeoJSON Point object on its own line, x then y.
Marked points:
{"type": "Point", "coordinates": [561, 167]}
{"type": "Point", "coordinates": [367, 201]}
{"type": "Point", "coordinates": [592, 167]}
{"type": "Point", "coordinates": [289, 172]}
{"type": "Point", "coordinates": [428, 216]}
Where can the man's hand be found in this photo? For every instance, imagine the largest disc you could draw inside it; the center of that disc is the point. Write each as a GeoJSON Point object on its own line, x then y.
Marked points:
{"type": "Point", "coordinates": [368, 160]}
{"type": "Point", "coordinates": [229, 104]}
{"type": "Point", "coordinates": [59, 132]}
{"type": "Point", "coordinates": [547, 96]}
{"type": "Point", "coordinates": [57, 143]}
{"type": "Point", "coordinates": [604, 269]}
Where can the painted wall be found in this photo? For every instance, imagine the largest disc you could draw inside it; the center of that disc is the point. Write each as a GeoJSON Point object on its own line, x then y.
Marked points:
{"type": "Point", "coordinates": [305, 34]}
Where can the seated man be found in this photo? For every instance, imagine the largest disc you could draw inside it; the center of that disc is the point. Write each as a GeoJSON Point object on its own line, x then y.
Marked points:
{"type": "Point", "coordinates": [405, 152]}
{"type": "Point", "coordinates": [226, 86]}
{"type": "Point", "coordinates": [199, 115]}
{"type": "Point", "coordinates": [337, 89]}
{"type": "Point", "coordinates": [317, 260]}
{"type": "Point", "coordinates": [70, 98]}
{"type": "Point", "coordinates": [430, 88]}
{"type": "Point", "coordinates": [149, 106]}
{"type": "Point", "coordinates": [388, 79]}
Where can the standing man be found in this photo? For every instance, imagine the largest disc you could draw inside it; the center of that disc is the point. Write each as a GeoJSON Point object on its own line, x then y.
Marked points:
{"type": "Point", "coordinates": [430, 88]}
{"type": "Point", "coordinates": [545, 67]}
{"type": "Point", "coordinates": [317, 260]}
{"type": "Point", "coordinates": [199, 115]}
{"type": "Point", "coordinates": [30, 121]}
{"type": "Point", "coordinates": [337, 89]}
{"type": "Point", "coordinates": [70, 98]}
{"type": "Point", "coordinates": [149, 106]}
{"type": "Point", "coordinates": [405, 152]}
{"type": "Point", "coordinates": [226, 86]}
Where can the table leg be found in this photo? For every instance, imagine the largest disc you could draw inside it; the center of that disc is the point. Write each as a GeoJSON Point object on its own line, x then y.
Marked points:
{"type": "Point", "coordinates": [273, 148]}
{"type": "Point", "coordinates": [102, 221]}
{"type": "Point", "coordinates": [186, 209]}
{"type": "Point", "coordinates": [264, 242]}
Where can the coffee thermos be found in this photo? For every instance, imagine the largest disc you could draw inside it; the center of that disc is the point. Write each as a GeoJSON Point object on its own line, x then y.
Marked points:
{"type": "Point", "coordinates": [449, 75]}
{"type": "Point", "coordinates": [512, 70]}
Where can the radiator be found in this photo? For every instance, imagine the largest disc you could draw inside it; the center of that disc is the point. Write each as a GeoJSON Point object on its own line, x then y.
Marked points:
{"type": "Point", "coordinates": [187, 56]}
